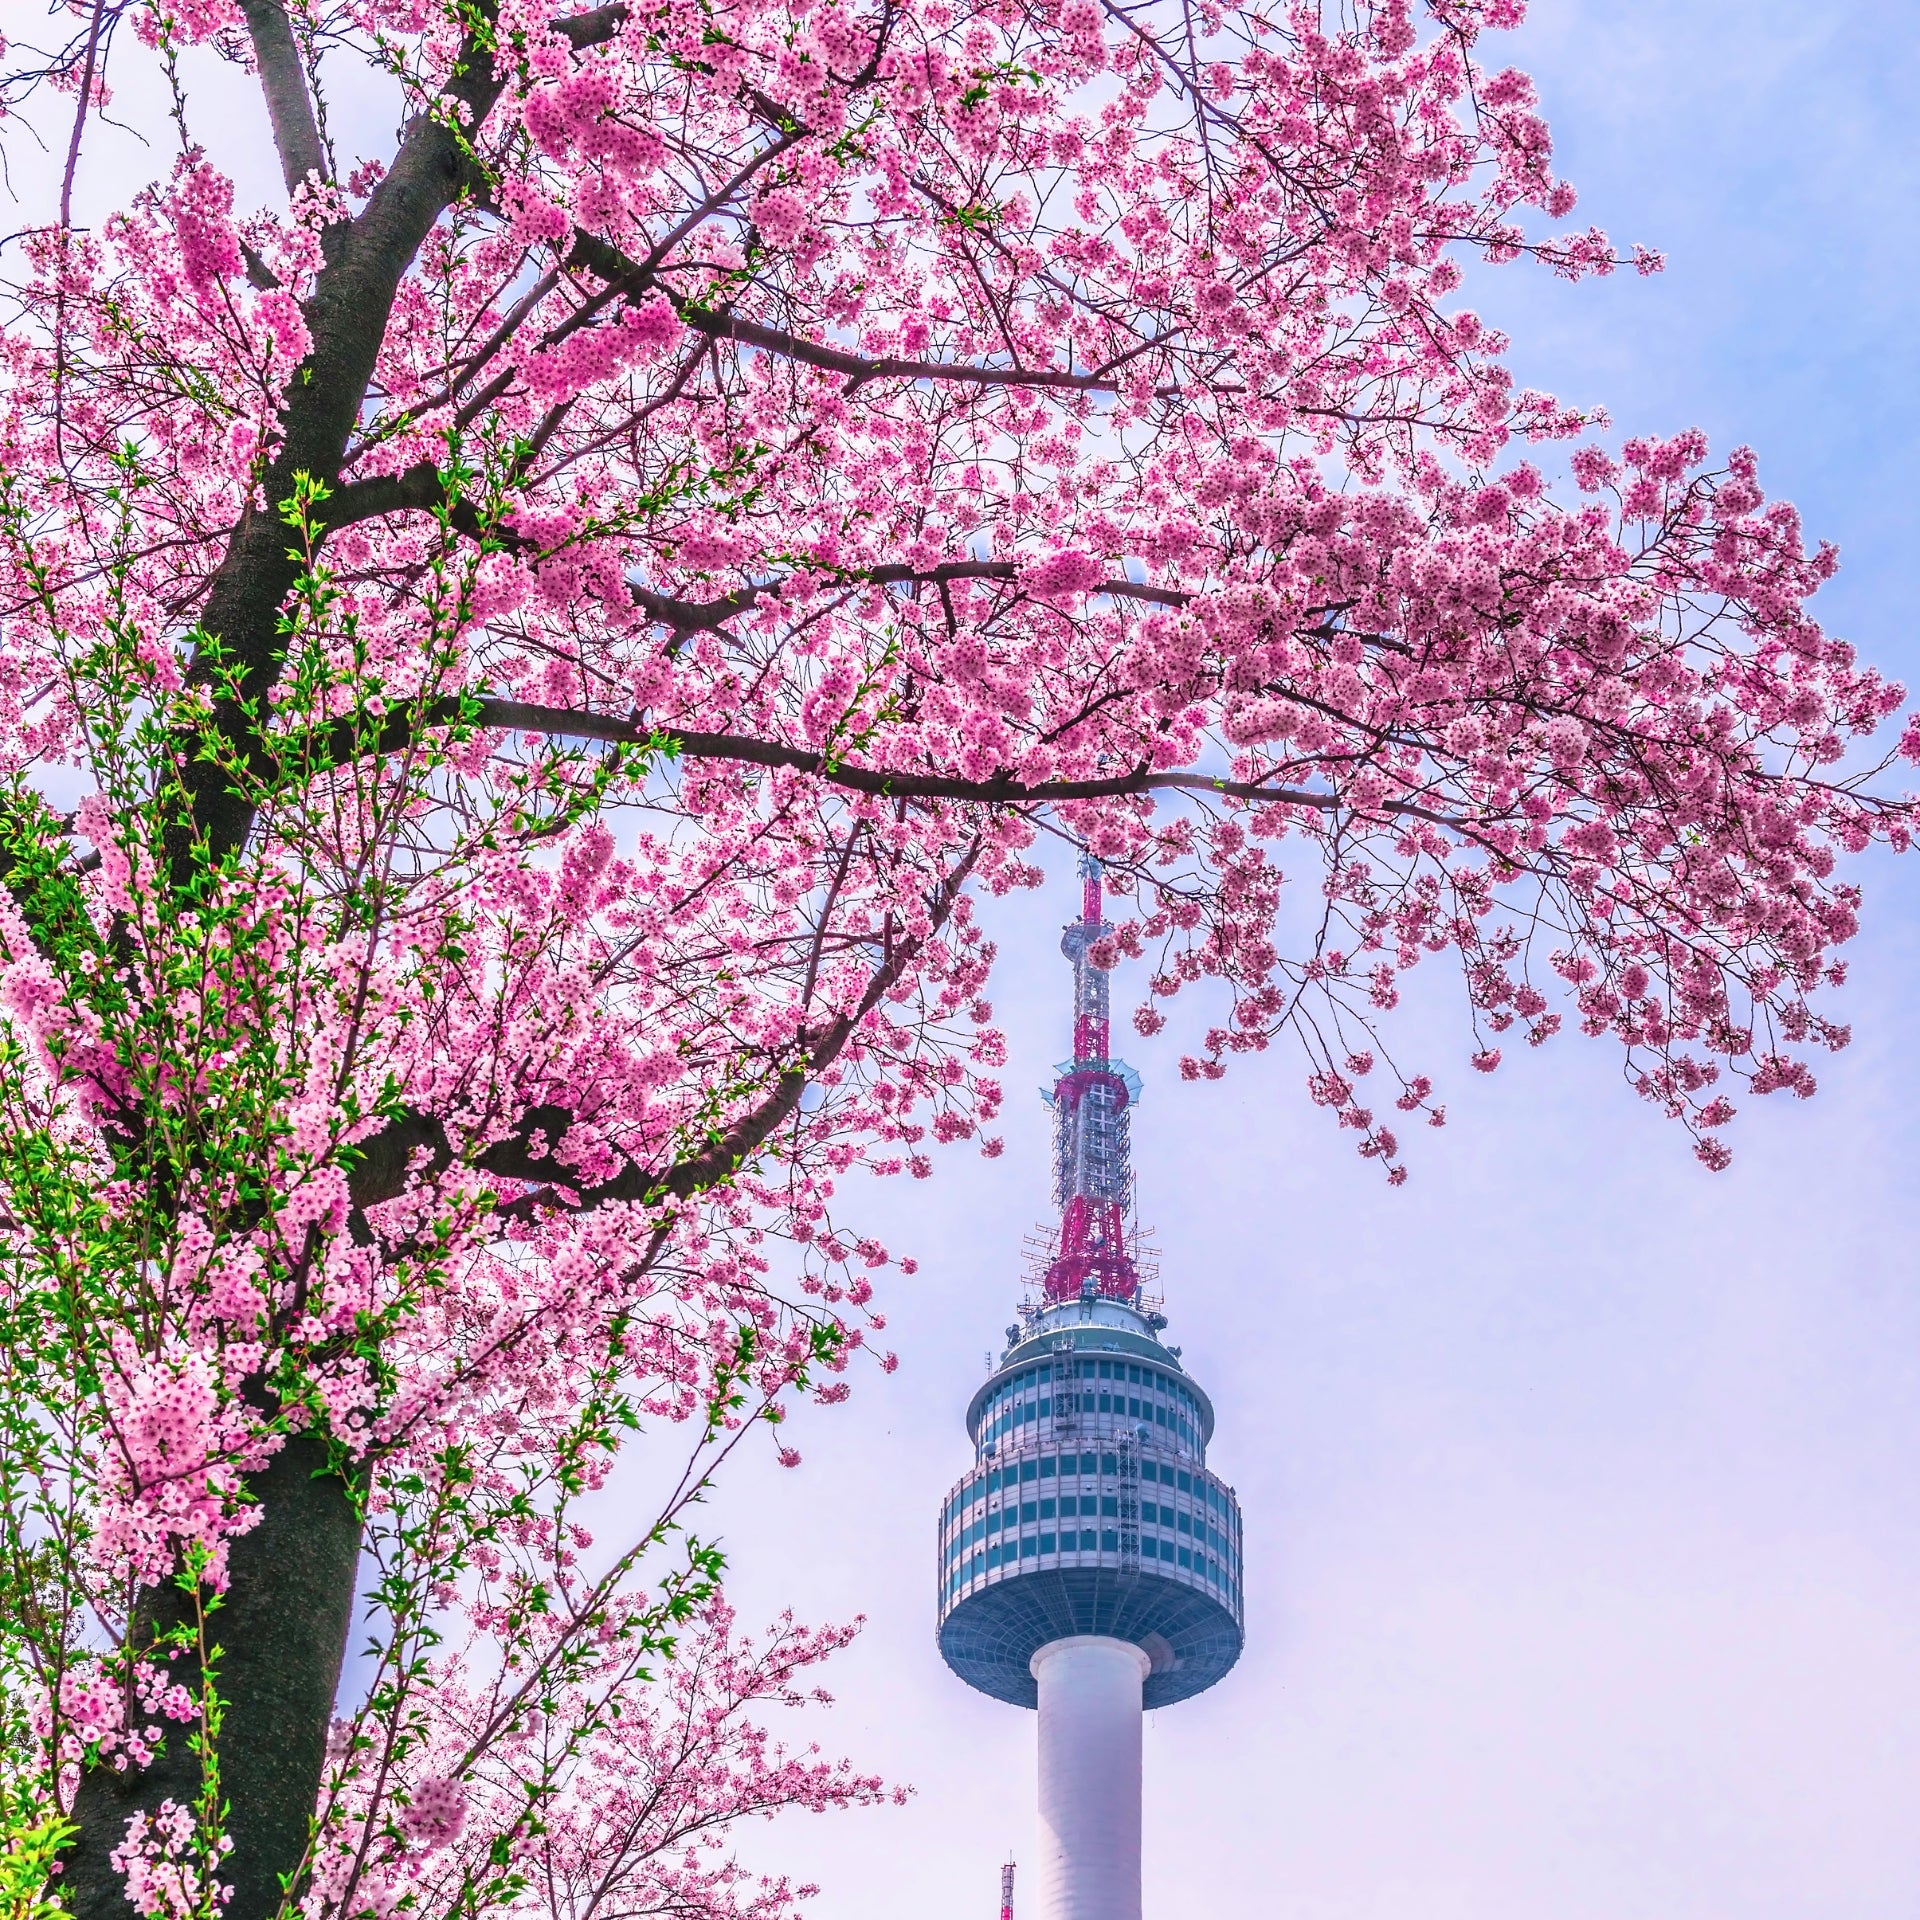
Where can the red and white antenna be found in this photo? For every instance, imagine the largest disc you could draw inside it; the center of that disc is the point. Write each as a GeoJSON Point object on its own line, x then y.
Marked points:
{"type": "Point", "coordinates": [1094, 1254]}
{"type": "Point", "coordinates": [1006, 1891]}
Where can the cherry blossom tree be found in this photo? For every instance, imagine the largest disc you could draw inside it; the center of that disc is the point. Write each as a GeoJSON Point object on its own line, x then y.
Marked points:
{"type": "Point", "coordinates": [522, 653]}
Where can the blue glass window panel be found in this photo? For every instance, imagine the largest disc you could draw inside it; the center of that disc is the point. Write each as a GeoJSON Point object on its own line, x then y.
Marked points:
{"type": "Point", "coordinates": [1086, 1403]}
{"type": "Point", "coordinates": [1046, 1407]}
{"type": "Point", "coordinates": [1109, 1463]}
{"type": "Point", "coordinates": [1026, 1546]}
{"type": "Point", "coordinates": [1029, 1469]}
{"type": "Point", "coordinates": [1089, 1464]}
{"type": "Point", "coordinates": [1133, 1374]}
{"type": "Point", "coordinates": [993, 1556]}
{"type": "Point", "coordinates": [1027, 1513]}
{"type": "Point", "coordinates": [1106, 1369]}
{"type": "Point", "coordinates": [1185, 1523]}
{"type": "Point", "coordinates": [1046, 1543]}
{"type": "Point", "coordinates": [1110, 1506]}
{"type": "Point", "coordinates": [1109, 1541]}
{"type": "Point", "coordinates": [1046, 1468]}
{"type": "Point", "coordinates": [1186, 1557]}
{"type": "Point", "coordinates": [1086, 1540]}
{"type": "Point", "coordinates": [1186, 1482]}
{"type": "Point", "coordinates": [1106, 1403]}
{"type": "Point", "coordinates": [1166, 1549]}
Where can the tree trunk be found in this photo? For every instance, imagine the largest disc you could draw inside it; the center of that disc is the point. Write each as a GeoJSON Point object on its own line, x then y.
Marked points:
{"type": "Point", "coordinates": [282, 1630]}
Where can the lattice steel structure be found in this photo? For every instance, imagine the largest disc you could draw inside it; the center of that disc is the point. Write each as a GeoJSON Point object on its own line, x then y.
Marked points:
{"type": "Point", "coordinates": [1090, 1562]}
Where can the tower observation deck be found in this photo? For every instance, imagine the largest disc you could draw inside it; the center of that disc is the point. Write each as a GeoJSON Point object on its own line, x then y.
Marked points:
{"type": "Point", "coordinates": [1090, 1562]}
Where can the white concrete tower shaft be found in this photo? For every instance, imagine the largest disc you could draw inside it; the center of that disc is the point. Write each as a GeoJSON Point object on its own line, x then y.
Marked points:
{"type": "Point", "coordinates": [1090, 1717]}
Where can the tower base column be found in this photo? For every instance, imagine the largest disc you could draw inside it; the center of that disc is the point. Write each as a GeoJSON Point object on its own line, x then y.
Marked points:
{"type": "Point", "coordinates": [1090, 1718]}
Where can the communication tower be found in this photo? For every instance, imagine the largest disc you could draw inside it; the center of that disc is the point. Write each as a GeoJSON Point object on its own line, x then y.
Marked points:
{"type": "Point", "coordinates": [1090, 1562]}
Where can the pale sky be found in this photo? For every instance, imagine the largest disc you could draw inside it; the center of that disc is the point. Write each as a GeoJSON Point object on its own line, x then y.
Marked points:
{"type": "Point", "coordinates": [1583, 1540]}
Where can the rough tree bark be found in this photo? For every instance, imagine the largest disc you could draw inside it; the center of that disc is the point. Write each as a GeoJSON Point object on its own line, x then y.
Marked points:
{"type": "Point", "coordinates": [282, 1636]}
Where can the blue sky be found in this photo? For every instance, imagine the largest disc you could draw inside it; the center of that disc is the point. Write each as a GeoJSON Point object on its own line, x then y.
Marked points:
{"type": "Point", "coordinates": [1584, 1545]}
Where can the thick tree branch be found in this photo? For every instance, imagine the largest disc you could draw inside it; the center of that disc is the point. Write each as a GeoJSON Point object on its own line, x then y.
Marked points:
{"type": "Point", "coordinates": [722, 1158]}
{"type": "Point", "coordinates": [625, 275]}
{"type": "Point", "coordinates": [283, 82]}
{"type": "Point", "coordinates": [390, 1157]}
{"type": "Point", "coordinates": [347, 320]}
{"type": "Point", "coordinates": [591, 29]}
{"type": "Point", "coordinates": [420, 488]}
{"type": "Point", "coordinates": [352, 738]}
{"type": "Point", "coordinates": [998, 790]}
{"type": "Point", "coordinates": [726, 325]}
{"type": "Point", "coordinates": [282, 1630]}
{"type": "Point", "coordinates": [695, 616]}
{"type": "Point", "coordinates": [417, 489]}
